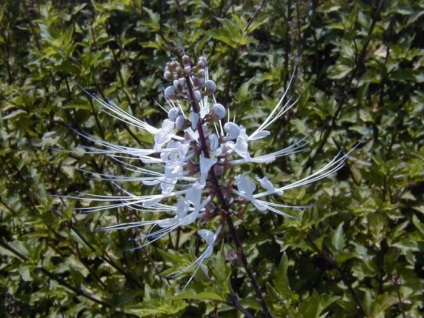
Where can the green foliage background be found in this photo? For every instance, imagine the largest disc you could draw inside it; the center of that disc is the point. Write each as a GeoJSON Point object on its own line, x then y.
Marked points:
{"type": "Point", "coordinates": [358, 252]}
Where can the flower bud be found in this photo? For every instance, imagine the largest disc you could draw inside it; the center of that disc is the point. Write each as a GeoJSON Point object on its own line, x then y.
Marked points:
{"type": "Point", "coordinates": [179, 122]}
{"type": "Point", "coordinates": [202, 61]}
{"type": "Point", "coordinates": [210, 86]}
{"type": "Point", "coordinates": [170, 92]}
{"type": "Point", "coordinates": [200, 73]}
{"type": "Point", "coordinates": [218, 110]}
{"type": "Point", "coordinates": [179, 70]}
{"type": "Point", "coordinates": [186, 60]}
{"type": "Point", "coordinates": [173, 113]}
{"type": "Point", "coordinates": [177, 86]}
{"type": "Point", "coordinates": [187, 70]}
{"type": "Point", "coordinates": [195, 69]}
{"type": "Point", "coordinates": [232, 130]}
{"type": "Point", "coordinates": [195, 117]}
{"type": "Point", "coordinates": [182, 81]}
{"type": "Point", "coordinates": [173, 65]}
{"type": "Point", "coordinates": [167, 75]}
{"type": "Point", "coordinates": [197, 95]}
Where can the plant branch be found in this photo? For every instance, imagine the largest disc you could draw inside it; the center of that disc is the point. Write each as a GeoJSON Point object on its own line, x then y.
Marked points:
{"type": "Point", "coordinates": [56, 277]}
{"type": "Point", "coordinates": [330, 259]}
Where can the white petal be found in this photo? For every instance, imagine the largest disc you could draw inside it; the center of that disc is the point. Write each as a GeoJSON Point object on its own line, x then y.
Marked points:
{"type": "Point", "coordinates": [245, 185]}
{"type": "Point", "coordinates": [194, 135]}
{"type": "Point", "coordinates": [214, 141]}
{"type": "Point", "coordinates": [190, 218]}
{"type": "Point", "coordinates": [205, 165]}
{"type": "Point", "coordinates": [165, 134]}
{"type": "Point", "coordinates": [266, 184]}
{"type": "Point", "coordinates": [182, 208]}
{"type": "Point", "coordinates": [169, 222]}
{"type": "Point", "coordinates": [241, 148]}
{"type": "Point", "coordinates": [209, 238]}
{"type": "Point", "coordinates": [194, 196]}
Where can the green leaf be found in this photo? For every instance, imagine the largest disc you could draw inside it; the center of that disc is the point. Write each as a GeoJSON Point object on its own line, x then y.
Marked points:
{"type": "Point", "coordinates": [281, 281]}
{"type": "Point", "coordinates": [16, 113]}
{"type": "Point", "coordinates": [311, 307]}
{"type": "Point", "coordinates": [25, 272]}
{"type": "Point", "coordinates": [206, 295]}
{"type": "Point", "coordinates": [418, 224]}
{"type": "Point", "coordinates": [338, 239]}
{"type": "Point", "coordinates": [339, 71]}
{"type": "Point", "coordinates": [154, 20]}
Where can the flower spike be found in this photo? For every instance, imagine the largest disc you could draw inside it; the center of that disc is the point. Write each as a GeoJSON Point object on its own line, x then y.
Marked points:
{"type": "Point", "coordinates": [190, 164]}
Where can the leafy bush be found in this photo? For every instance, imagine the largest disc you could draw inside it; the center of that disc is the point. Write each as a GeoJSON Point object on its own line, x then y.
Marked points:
{"type": "Point", "coordinates": [358, 251]}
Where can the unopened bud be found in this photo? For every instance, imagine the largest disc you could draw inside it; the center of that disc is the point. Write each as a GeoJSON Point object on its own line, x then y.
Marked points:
{"type": "Point", "coordinates": [182, 81]}
{"type": "Point", "coordinates": [200, 73]}
{"type": "Point", "coordinates": [195, 117]}
{"type": "Point", "coordinates": [179, 122]}
{"type": "Point", "coordinates": [186, 60]}
{"type": "Point", "coordinates": [218, 110]}
{"type": "Point", "coordinates": [173, 113]}
{"type": "Point", "coordinates": [177, 86]}
{"type": "Point", "coordinates": [170, 92]}
{"type": "Point", "coordinates": [173, 65]}
{"type": "Point", "coordinates": [210, 86]}
{"type": "Point", "coordinates": [167, 75]}
{"type": "Point", "coordinates": [179, 70]}
{"type": "Point", "coordinates": [232, 130]}
{"type": "Point", "coordinates": [202, 61]}
{"type": "Point", "coordinates": [187, 70]}
{"type": "Point", "coordinates": [198, 96]}
{"type": "Point", "coordinates": [195, 69]}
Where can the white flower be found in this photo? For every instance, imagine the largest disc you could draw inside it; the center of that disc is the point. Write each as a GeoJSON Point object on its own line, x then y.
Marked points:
{"type": "Point", "coordinates": [205, 165]}
{"type": "Point", "coordinates": [164, 134]}
{"type": "Point", "coordinates": [210, 238]}
{"type": "Point", "coordinates": [190, 162]}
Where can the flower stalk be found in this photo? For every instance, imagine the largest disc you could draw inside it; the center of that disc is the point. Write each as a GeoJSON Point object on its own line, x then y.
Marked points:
{"type": "Point", "coordinates": [191, 163]}
{"type": "Point", "coordinates": [224, 207]}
